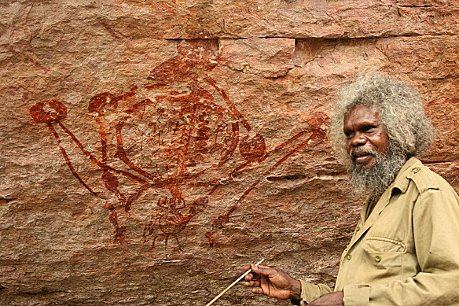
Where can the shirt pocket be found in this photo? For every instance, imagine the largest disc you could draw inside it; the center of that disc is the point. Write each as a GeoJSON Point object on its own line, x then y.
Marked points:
{"type": "Point", "coordinates": [383, 253]}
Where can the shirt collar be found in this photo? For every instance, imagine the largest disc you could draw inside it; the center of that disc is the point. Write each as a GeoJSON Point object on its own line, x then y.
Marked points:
{"type": "Point", "coordinates": [401, 182]}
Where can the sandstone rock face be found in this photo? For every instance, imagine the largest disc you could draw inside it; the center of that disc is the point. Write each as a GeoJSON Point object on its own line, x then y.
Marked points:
{"type": "Point", "coordinates": [150, 149]}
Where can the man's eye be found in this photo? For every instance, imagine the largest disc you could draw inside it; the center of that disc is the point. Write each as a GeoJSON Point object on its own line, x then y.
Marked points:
{"type": "Point", "coordinates": [348, 134]}
{"type": "Point", "coordinates": [369, 129]}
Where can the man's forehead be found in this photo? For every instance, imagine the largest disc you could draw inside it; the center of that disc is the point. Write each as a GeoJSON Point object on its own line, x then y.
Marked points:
{"type": "Point", "coordinates": [362, 112]}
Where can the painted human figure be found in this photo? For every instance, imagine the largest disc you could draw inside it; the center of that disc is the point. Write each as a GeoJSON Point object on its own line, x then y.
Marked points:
{"type": "Point", "coordinates": [405, 248]}
{"type": "Point", "coordinates": [162, 137]}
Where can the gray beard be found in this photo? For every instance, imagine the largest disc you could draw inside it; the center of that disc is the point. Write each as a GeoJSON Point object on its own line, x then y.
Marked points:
{"type": "Point", "coordinates": [375, 180]}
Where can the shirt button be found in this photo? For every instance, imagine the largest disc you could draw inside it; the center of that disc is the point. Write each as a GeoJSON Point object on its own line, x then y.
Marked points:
{"type": "Point", "coordinates": [415, 170]}
{"type": "Point", "coordinates": [377, 258]}
{"type": "Point", "coordinates": [357, 228]}
{"type": "Point", "coordinates": [348, 257]}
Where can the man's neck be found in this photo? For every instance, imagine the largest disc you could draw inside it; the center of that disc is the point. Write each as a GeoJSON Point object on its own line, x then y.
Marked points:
{"type": "Point", "coordinates": [372, 200]}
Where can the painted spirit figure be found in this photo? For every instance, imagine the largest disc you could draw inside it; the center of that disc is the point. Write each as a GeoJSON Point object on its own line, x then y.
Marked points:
{"type": "Point", "coordinates": [164, 136]}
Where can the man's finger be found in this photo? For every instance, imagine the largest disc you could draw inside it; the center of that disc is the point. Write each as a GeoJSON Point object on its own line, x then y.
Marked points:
{"type": "Point", "coordinates": [257, 290]}
{"type": "Point", "coordinates": [252, 283]}
{"type": "Point", "coordinates": [249, 277]}
{"type": "Point", "coordinates": [263, 270]}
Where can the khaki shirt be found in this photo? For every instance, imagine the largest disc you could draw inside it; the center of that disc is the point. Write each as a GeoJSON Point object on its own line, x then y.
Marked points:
{"type": "Point", "coordinates": [407, 251]}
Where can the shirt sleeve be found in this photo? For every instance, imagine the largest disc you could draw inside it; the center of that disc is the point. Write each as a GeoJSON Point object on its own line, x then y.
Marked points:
{"type": "Point", "coordinates": [436, 235]}
{"type": "Point", "coordinates": [310, 292]}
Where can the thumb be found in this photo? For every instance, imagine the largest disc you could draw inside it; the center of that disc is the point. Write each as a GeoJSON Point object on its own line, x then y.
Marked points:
{"type": "Point", "coordinates": [263, 270]}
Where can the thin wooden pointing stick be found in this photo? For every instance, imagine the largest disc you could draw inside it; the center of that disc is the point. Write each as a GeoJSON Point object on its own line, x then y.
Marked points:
{"type": "Point", "coordinates": [234, 283]}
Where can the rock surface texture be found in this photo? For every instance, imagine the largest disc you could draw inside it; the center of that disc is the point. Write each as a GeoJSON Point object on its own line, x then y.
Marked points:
{"type": "Point", "coordinates": [150, 149]}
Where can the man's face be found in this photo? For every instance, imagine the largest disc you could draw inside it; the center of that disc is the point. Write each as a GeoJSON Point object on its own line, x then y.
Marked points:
{"type": "Point", "coordinates": [366, 136]}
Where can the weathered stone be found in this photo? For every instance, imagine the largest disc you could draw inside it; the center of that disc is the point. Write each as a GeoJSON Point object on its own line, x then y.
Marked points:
{"type": "Point", "coordinates": [150, 149]}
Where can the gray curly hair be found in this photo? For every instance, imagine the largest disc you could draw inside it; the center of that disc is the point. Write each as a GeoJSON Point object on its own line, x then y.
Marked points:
{"type": "Point", "coordinates": [401, 112]}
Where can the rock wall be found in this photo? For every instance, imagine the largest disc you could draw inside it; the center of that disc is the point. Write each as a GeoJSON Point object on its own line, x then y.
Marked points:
{"type": "Point", "coordinates": [149, 149]}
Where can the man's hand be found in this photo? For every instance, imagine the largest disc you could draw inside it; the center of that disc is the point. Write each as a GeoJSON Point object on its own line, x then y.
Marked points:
{"type": "Point", "coordinates": [330, 299]}
{"type": "Point", "coordinates": [272, 282]}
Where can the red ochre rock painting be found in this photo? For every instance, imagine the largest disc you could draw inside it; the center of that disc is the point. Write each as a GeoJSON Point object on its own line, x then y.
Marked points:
{"type": "Point", "coordinates": [165, 136]}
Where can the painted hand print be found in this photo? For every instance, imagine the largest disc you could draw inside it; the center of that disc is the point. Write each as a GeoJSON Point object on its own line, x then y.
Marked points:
{"type": "Point", "coordinates": [160, 138]}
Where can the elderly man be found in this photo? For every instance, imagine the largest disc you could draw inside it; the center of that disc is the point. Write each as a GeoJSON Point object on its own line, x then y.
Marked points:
{"type": "Point", "coordinates": [405, 248]}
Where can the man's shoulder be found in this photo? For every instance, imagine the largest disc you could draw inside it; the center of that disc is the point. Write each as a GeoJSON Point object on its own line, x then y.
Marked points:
{"type": "Point", "coordinates": [424, 178]}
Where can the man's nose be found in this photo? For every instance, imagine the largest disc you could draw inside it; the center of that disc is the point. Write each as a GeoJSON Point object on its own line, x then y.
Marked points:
{"type": "Point", "coordinates": [358, 139]}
